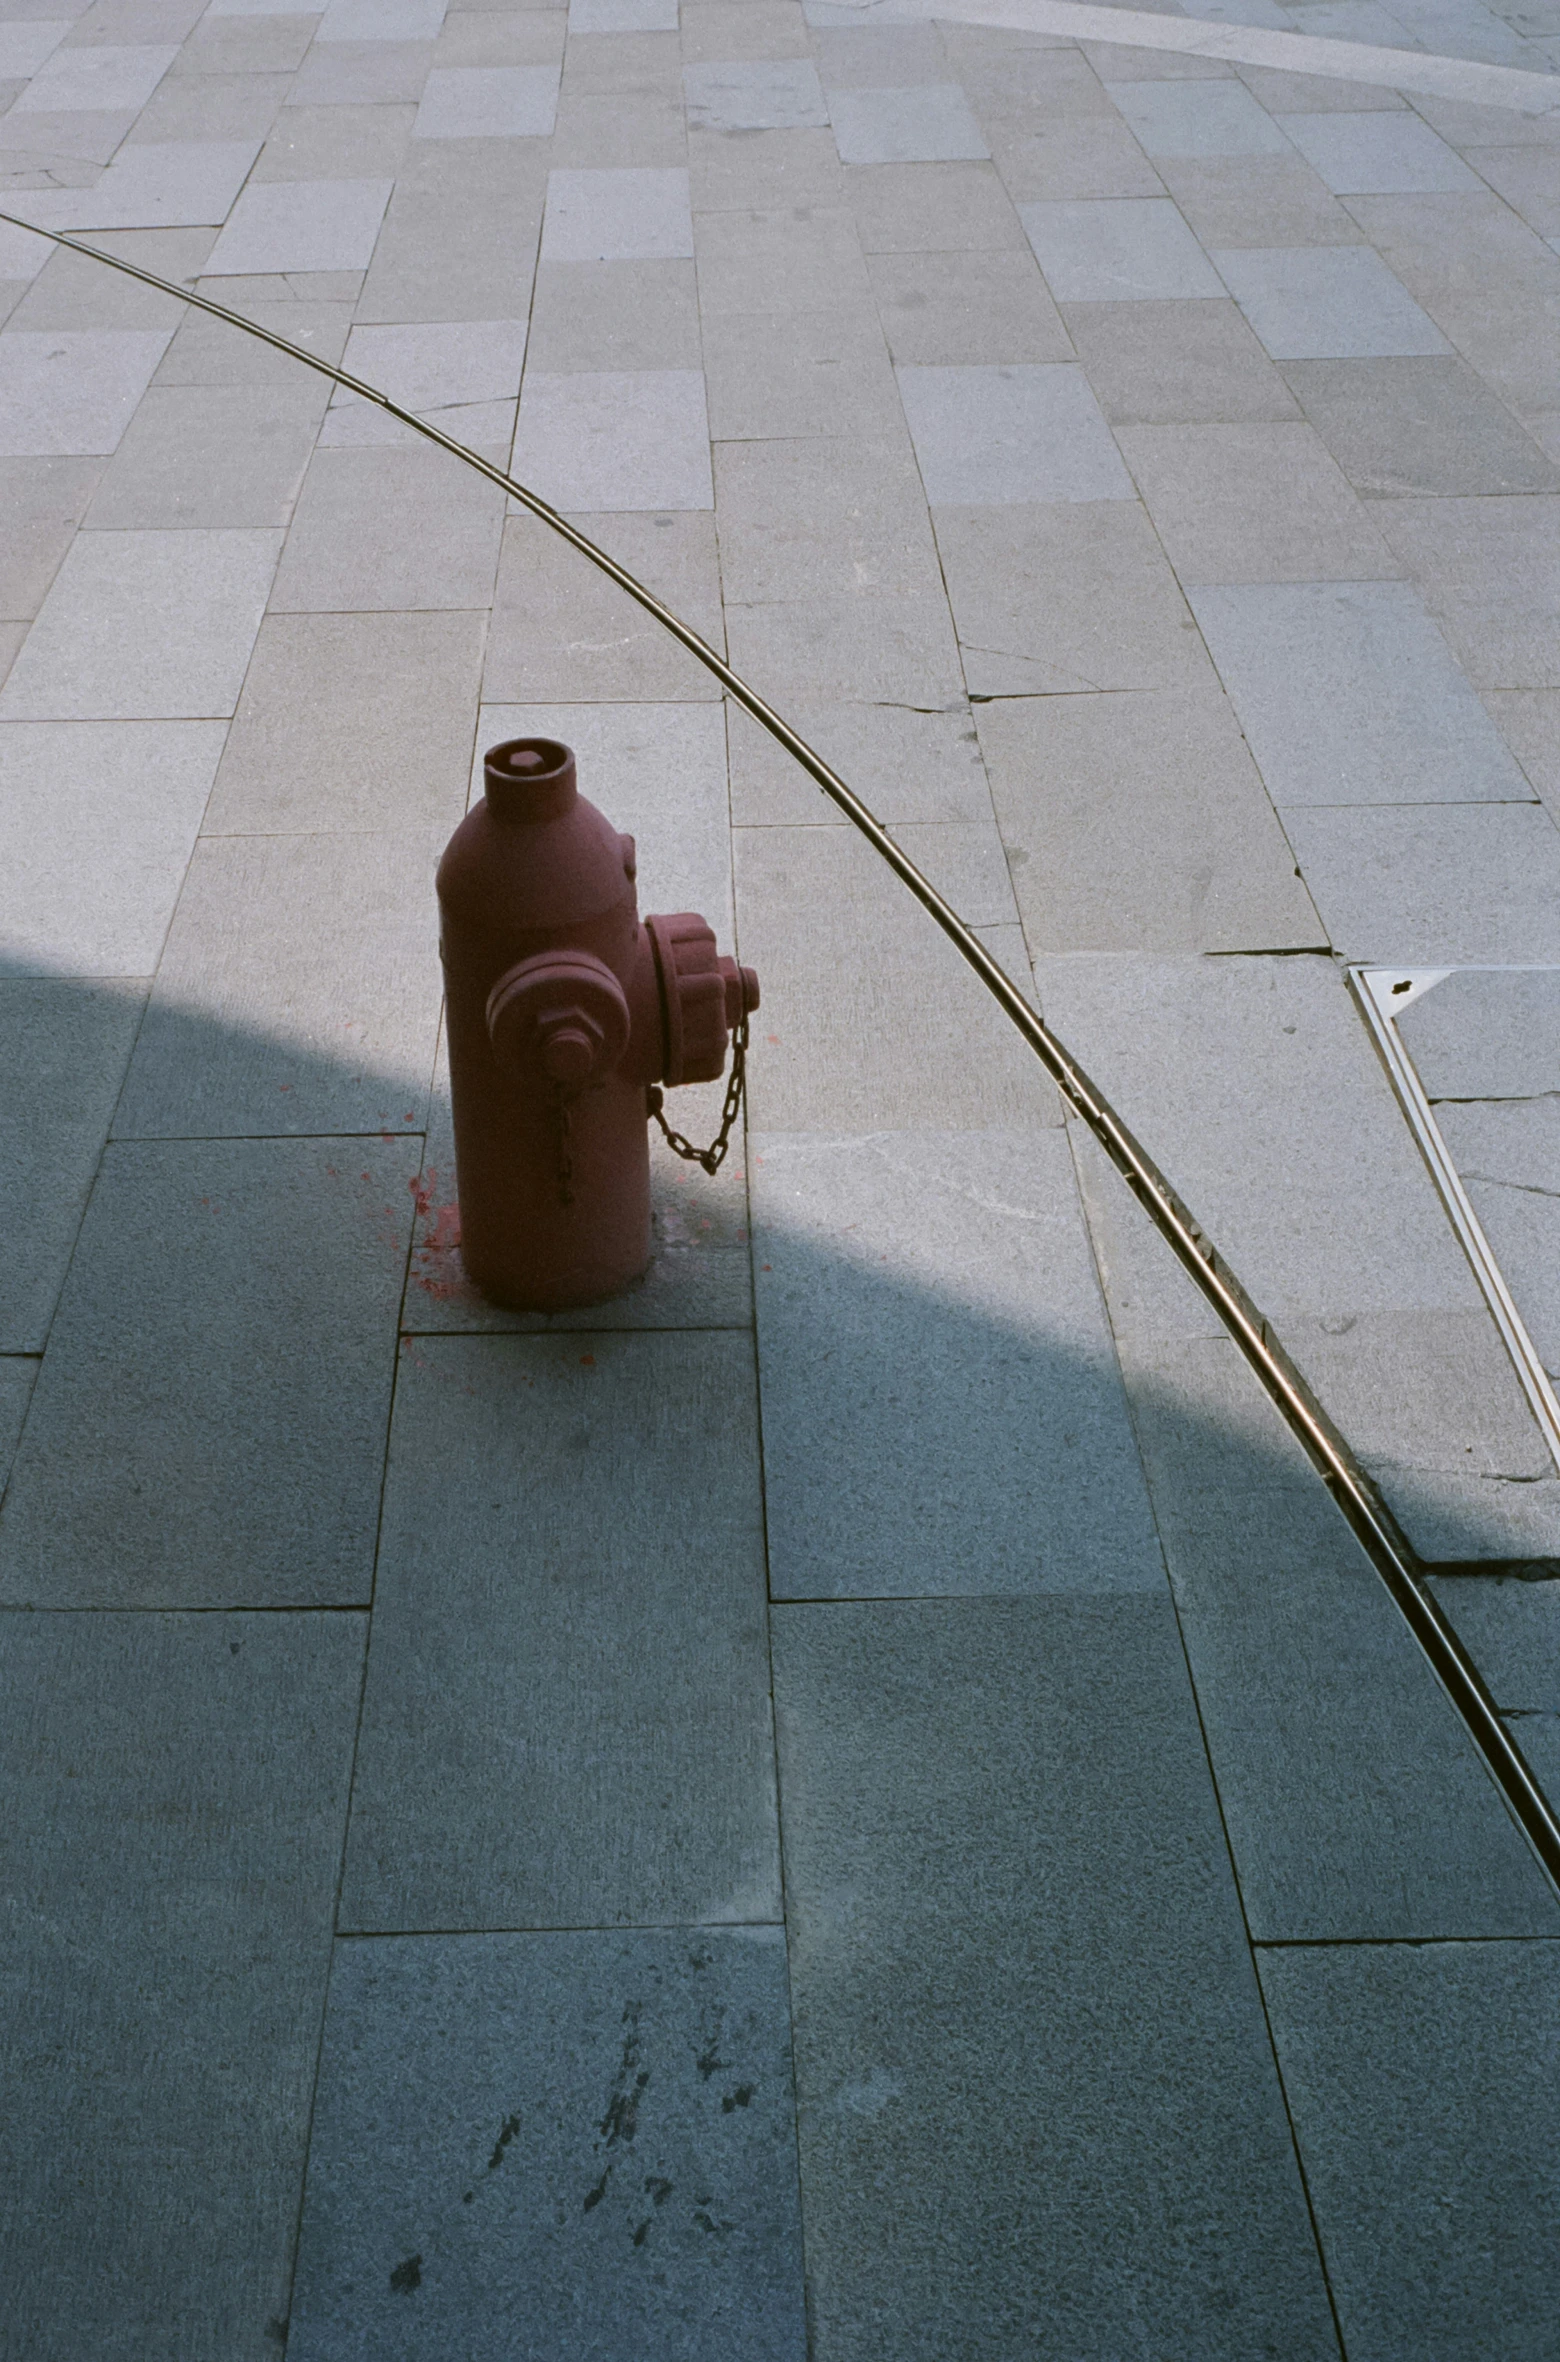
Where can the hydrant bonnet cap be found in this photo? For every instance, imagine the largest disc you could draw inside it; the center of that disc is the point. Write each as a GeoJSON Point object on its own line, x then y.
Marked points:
{"type": "Point", "coordinates": [529, 779]}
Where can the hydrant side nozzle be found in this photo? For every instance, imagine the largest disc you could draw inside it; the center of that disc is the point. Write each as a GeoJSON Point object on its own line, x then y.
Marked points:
{"type": "Point", "coordinates": [561, 1017]}
{"type": "Point", "coordinates": [529, 779]}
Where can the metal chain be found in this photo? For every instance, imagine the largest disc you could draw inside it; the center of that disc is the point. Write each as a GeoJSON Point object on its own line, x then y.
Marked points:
{"type": "Point", "coordinates": [713, 1157]}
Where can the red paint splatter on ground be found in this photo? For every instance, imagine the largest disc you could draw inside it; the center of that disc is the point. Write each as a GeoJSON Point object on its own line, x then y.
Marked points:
{"type": "Point", "coordinates": [587, 1361]}
{"type": "Point", "coordinates": [436, 1266]}
{"type": "Point", "coordinates": [766, 1267]}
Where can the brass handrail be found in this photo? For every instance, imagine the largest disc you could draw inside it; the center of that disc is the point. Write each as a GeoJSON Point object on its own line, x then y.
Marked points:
{"type": "Point", "coordinates": [1369, 1519]}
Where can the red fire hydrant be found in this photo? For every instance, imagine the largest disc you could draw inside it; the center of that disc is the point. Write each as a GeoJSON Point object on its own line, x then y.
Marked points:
{"type": "Point", "coordinates": [565, 1014]}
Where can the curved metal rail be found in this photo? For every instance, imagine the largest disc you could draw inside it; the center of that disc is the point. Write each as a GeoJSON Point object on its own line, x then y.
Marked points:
{"type": "Point", "coordinates": [1370, 1521]}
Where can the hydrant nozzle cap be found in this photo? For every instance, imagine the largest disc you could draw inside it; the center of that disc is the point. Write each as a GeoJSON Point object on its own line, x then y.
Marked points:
{"type": "Point", "coordinates": [529, 779]}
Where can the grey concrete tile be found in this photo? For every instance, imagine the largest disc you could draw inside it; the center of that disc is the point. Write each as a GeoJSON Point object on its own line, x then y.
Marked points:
{"type": "Point", "coordinates": [72, 393]}
{"type": "Point", "coordinates": [73, 292]}
{"type": "Point", "coordinates": [42, 501]}
{"type": "Point", "coordinates": [163, 184]}
{"type": "Point", "coordinates": [1259, 201]}
{"type": "Point", "coordinates": [1490, 573]}
{"type": "Point", "coordinates": [1067, 595]}
{"type": "Point", "coordinates": [1138, 823]}
{"type": "Point", "coordinates": [873, 57]}
{"type": "Point", "coordinates": [1283, 93]}
{"type": "Point", "coordinates": [1112, 63]}
{"type": "Point", "coordinates": [380, 20]}
{"type": "Point", "coordinates": [616, 439]}
{"type": "Point", "coordinates": [63, 1049]}
{"type": "Point", "coordinates": [1512, 1630]}
{"type": "Point", "coordinates": [17, 1372]}
{"type": "Point", "coordinates": [622, 16]}
{"type": "Point", "coordinates": [177, 1787]}
{"type": "Point", "coordinates": [1132, 249]}
{"type": "Point", "coordinates": [905, 765]}
{"type": "Point", "coordinates": [93, 652]}
{"type": "Point", "coordinates": [928, 1309]}
{"type": "Point", "coordinates": [211, 456]}
{"type": "Point", "coordinates": [508, 37]}
{"type": "Point", "coordinates": [59, 151]}
{"type": "Point", "coordinates": [636, 1689]}
{"type": "Point", "coordinates": [1417, 2079]}
{"type": "Point", "coordinates": [1356, 1805]}
{"type": "Point", "coordinates": [870, 1018]}
{"type": "Point", "coordinates": [378, 530]}
{"type": "Point", "coordinates": [298, 992]}
{"type": "Point", "coordinates": [272, 44]}
{"type": "Point", "coordinates": [1197, 118]}
{"type": "Point", "coordinates": [684, 2036]}
{"type": "Point", "coordinates": [624, 216]}
{"type": "Point", "coordinates": [1529, 721]}
{"type": "Point", "coordinates": [998, 1816]}
{"type": "Point", "coordinates": [364, 74]}
{"type": "Point", "coordinates": [1467, 124]}
{"type": "Point", "coordinates": [1256, 502]}
{"type": "Point", "coordinates": [11, 637]}
{"type": "Point", "coordinates": [488, 102]}
{"type": "Point", "coordinates": [1326, 304]}
{"type": "Point", "coordinates": [320, 691]}
{"type": "Point", "coordinates": [800, 373]}
{"type": "Point", "coordinates": [206, 352]}
{"type": "Point", "coordinates": [1176, 363]}
{"type": "Point", "coordinates": [112, 78]}
{"type": "Point", "coordinates": [25, 47]}
{"type": "Point", "coordinates": [305, 225]}
{"type": "Point", "coordinates": [716, 29]}
{"type": "Point", "coordinates": [1419, 426]}
{"type": "Point", "coordinates": [1485, 1034]}
{"type": "Point", "coordinates": [754, 94]}
{"type": "Point", "coordinates": [1507, 1156]}
{"type": "Point", "coordinates": [562, 633]}
{"type": "Point", "coordinates": [621, 128]}
{"type": "Point", "coordinates": [1256, 1087]}
{"type": "Point", "coordinates": [1348, 694]}
{"type": "Point", "coordinates": [949, 308]}
{"type": "Point", "coordinates": [757, 170]}
{"type": "Point", "coordinates": [927, 123]}
{"type": "Point", "coordinates": [23, 254]}
{"type": "Point", "coordinates": [336, 143]}
{"type": "Point", "coordinates": [208, 1429]}
{"type": "Point", "coordinates": [463, 374]}
{"type": "Point", "coordinates": [100, 820]}
{"type": "Point", "coordinates": [931, 208]}
{"type": "Point", "coordinates": [801, 259]}
{"type": "Point", "coordinates": [614, 315]}
{"type": "Point", "coordinates": [1434, 884]}
{"type": "Point", "coordinates": [821, 515]}
{"type": "Point", "coordinates": [894, 647]}
{"type": "Point", "coordinates": [213, 106]}
{"type": "Point", "coordinates": [459, 239]}
{"type": "Point", "coordinates": [1377, 154]}
{"type": "Point", "coordinates": [1528, 179]}
{"type": "Point", "coordinates": [1062, 157]}
{"type": "Point", "coordinates": [989, 436]}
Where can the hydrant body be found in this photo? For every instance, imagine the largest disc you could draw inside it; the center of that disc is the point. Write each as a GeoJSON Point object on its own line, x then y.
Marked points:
{"type": "Point", "coordinates": [563, 1009]}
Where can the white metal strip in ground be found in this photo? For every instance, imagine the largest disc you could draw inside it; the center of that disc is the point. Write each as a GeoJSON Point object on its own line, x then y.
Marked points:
{"type": "Point", "coordinates": [1243, 45]}
{"type": "Point", "coordinates": [1382, 993]}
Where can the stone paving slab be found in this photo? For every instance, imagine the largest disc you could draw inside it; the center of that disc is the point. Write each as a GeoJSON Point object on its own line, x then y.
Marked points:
{"type": "Point", "coordinates": [63, 1049]}
{"type": "Point", "coordinates": [1009, 1904]}
{"type": "Point", "coordinates": [1302, 350]}
{"type": "Point", "coordinates": [575, 2143]}
{"type": "Point", "coordinates": [936, 1373]}
{"type": "Point", "coordinates": [1441, 2059]}
{"type": "Point", "coordinates": [230, 1307]}
{"type": "Point", "coordinates": [567, 1717]}
{"type": "Point", "coordinates": [175, 1788]}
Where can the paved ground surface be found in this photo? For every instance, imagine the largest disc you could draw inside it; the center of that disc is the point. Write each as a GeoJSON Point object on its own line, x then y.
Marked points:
{"type": "Point", "coordinates": [503, 1858]}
